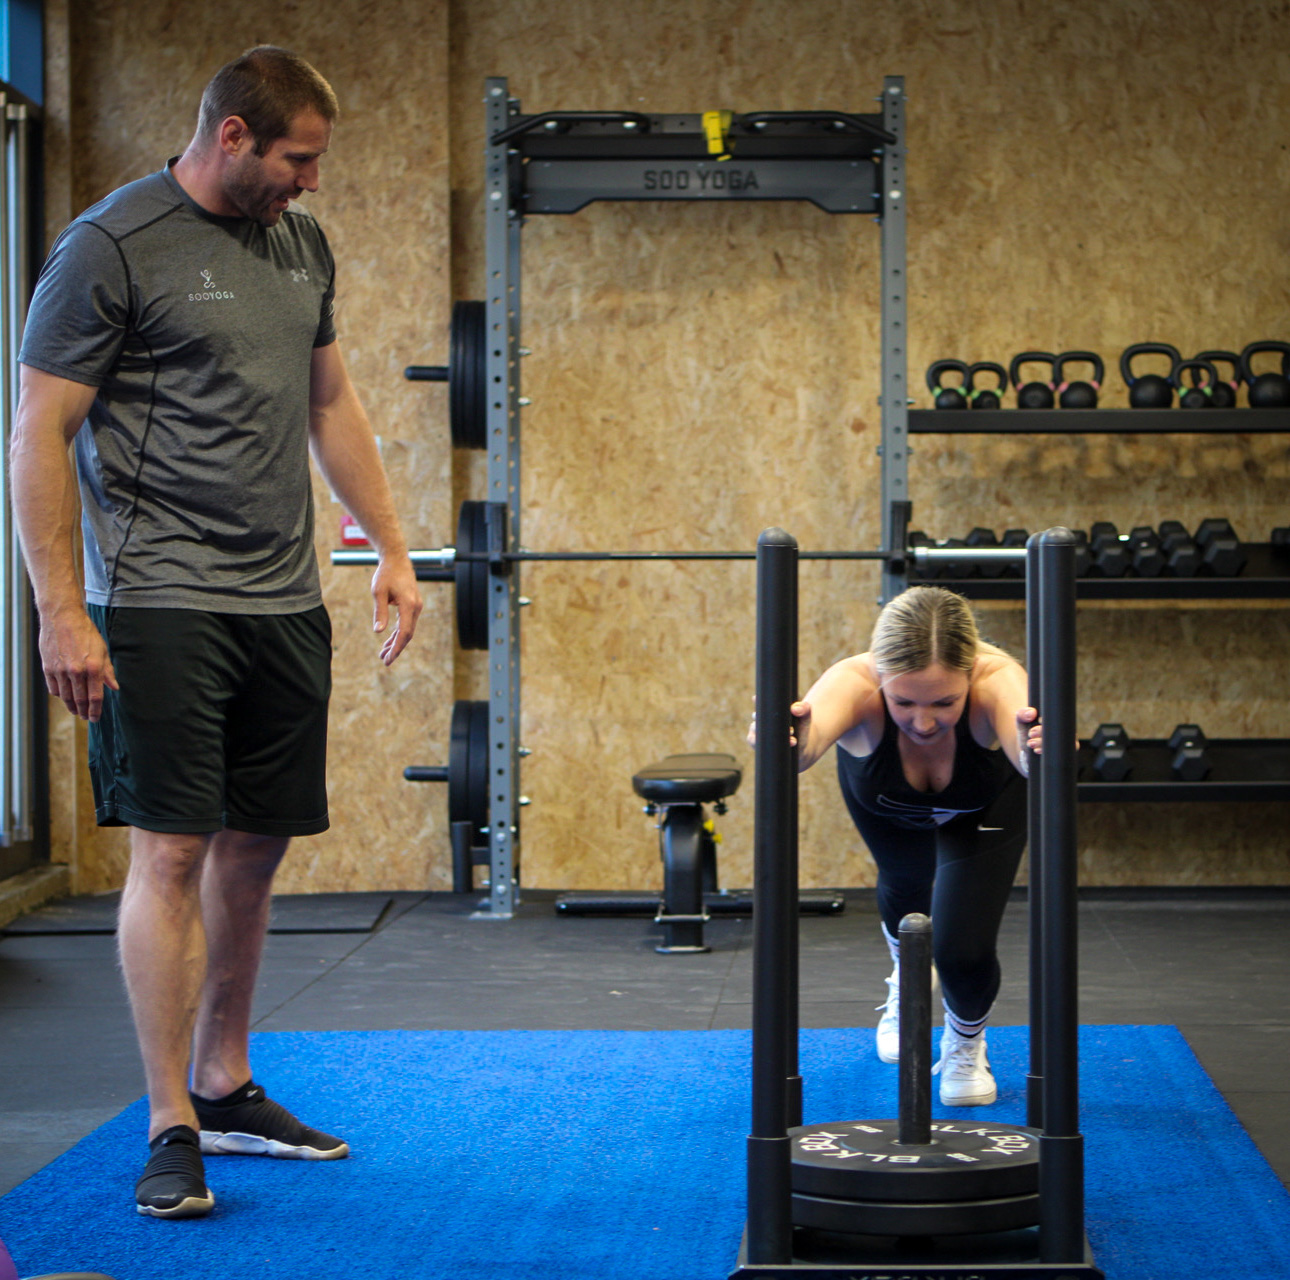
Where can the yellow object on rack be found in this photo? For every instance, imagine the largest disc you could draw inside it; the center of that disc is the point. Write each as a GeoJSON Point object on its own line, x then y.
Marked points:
{"type": "Point", "coordinates": [716, 125]}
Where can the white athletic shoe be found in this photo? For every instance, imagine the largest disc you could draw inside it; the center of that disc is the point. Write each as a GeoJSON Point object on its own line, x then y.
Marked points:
{"type": "Point", "coordinates": [966, 1079]}
{"type": "Point", "coordinates": [889, 1023]}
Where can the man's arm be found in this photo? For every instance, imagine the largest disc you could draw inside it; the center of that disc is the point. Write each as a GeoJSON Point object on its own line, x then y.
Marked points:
{"type": "Point", "coordinates": [344, 448]}
{"type": "Point", "coordinates": [72, 653]}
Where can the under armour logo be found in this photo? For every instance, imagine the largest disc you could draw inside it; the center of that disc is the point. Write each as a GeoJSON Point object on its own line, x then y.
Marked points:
{"type": "Point", "coordinates": [207, 282]}
{"type": "Point", "coordinates": [299, 275]}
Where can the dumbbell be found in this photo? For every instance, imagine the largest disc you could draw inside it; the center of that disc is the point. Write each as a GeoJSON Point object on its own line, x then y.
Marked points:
{"type": "Point", "coordinates": [1148, 555]}
{"type": "Point", "coordinates": [1110, 743]}
{"type": "Point", "coordinates": [1111, 556]}
{"type": "Point", "coordinates": [942, 569]}
{"type": "Point", "coordinates": [1182, 556]}
{"type": "Point", "coordinates": [1220, 548]}
{"type": "Point", "coordinates": [980, 537]}
{"type": "Point", "coordinates": [1190, 762]}
{"type": "Point", "coordinates": [1015, 538]}
{"type": "Point", "coordinates": [1083, 557]}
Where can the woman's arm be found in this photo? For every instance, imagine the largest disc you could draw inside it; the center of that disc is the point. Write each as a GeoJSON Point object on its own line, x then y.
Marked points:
{"type": "Point", "coordinates": [1005, 694]}
{"type": "Point", "coordinates": [836, 703]}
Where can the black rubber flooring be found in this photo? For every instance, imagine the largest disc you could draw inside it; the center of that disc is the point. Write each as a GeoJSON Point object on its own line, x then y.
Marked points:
{"type": "Point", "coordinates": [1215, 964]}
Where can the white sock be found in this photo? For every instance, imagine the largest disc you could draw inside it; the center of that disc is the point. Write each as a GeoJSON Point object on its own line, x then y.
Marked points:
{"type": "Point", "coordinates": [893, 945]}
{"type": "Point", "coordinates": [967, 1030]}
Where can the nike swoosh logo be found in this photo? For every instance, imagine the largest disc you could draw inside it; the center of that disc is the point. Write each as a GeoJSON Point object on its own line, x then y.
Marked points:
{"type": "Point", "coordinates": [981, 828]}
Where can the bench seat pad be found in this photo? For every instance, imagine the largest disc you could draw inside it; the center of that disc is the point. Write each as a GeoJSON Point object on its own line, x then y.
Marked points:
{"type": "Point", "coordinates": [695, 779]}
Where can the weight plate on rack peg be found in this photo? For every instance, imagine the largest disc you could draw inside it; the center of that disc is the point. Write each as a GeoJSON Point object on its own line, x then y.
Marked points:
{"type": "Point", "coordinates": [468, 376]}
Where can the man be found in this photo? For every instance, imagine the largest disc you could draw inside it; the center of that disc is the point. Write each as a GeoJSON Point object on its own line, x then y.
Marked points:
{"type": "Point", "coordinates": [181, 334]}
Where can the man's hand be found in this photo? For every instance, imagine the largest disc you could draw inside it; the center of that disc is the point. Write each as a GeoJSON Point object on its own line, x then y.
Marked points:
{"type": "Point", "coordinates": [75, 661]}
{"type": "Point", "coordinates": [394, 585]}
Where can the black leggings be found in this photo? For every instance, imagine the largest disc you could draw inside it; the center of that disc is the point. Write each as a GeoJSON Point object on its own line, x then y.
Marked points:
{"type": "Point", "coordinates": [960, 875]}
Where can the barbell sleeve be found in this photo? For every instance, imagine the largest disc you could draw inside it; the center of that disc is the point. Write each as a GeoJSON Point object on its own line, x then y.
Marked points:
{"type": "Point", "coordinates": [426, 373]}
{"type": "Point", "coordinates": [426, 773]}
{"type": "Point", "coordinates": [431, 556]}
{"type": "Point", "coordinates": [926, 557]}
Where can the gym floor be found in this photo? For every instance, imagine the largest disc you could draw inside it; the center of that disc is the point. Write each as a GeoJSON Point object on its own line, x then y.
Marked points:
{"type": "Point", "coordinates": [1212, 962]}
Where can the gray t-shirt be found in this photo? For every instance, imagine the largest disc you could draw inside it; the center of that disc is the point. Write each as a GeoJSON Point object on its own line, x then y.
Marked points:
{"type": "Point", "coordinates": [198, 332]}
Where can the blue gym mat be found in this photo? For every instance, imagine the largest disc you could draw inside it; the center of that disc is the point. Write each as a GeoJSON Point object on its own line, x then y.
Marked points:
{"type": "Point", "coordinates": [616, 1155]}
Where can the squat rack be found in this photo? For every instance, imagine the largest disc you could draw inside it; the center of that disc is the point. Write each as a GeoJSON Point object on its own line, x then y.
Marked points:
{"type": "Point", "coordinates": [559, 162]}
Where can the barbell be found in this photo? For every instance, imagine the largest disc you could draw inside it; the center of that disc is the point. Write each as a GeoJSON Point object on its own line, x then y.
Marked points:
{"type": "Point", "coordinates": [480, 553]}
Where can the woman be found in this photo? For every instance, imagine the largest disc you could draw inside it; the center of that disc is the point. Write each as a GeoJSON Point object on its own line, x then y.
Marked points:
{"type": "Point", "coordinates": [932, 726]}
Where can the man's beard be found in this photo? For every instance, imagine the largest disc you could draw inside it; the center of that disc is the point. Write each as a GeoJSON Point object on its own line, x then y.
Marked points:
{"type": "Point", "coordinates": [253, 199]}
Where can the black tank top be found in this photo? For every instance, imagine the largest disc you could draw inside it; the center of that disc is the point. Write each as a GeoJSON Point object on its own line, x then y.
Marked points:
{"type": "Point", "coordinates": [877, 782]}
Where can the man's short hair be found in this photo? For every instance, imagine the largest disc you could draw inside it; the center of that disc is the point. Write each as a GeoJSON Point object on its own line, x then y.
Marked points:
{"type": "Point", "coordinates": [268, 87]}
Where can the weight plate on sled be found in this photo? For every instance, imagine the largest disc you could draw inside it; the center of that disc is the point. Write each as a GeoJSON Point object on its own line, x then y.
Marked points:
{"type": "Point", "coordinates": [944, 1218]}
{"type": "Point", "coordinates": [862, 1160]}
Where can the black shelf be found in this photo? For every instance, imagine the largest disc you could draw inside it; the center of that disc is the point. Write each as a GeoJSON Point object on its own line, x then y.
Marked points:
{"type": "Point", "coordinates": [1098, 421]}
{"type": "Point", "coordinates": [1266, 576]}
{"type": "Point", "coordinates": [1242, 769]}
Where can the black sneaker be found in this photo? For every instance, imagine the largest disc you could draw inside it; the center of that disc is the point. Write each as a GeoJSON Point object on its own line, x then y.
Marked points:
{"type": "Point", "coordinates": [246, 1123]}
{"type": "Point", "coordinates": [173, 1184]}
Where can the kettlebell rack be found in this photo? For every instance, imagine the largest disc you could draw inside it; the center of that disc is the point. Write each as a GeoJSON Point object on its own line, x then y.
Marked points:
{"type": "Point", "coordinates": [557, 162]}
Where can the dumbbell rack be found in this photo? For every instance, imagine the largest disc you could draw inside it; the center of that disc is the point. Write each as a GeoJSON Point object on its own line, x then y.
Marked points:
{"type": "Point", "coordinates": [1267, 571]}
{"type": "Point", "coordinates": [1242, 769]}
{"type": "Point", "coordinates": [1266, 576]}
{"type": "Point", "coordinates": [558, 162]}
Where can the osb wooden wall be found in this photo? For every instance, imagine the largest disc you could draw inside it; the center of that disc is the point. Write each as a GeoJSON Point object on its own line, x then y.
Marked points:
{"type": "Point", "coordinates": [1079, 176]}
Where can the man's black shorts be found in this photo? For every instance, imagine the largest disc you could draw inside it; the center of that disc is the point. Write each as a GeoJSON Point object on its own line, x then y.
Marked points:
{"type": "Point", "coordinates": [221, 721]}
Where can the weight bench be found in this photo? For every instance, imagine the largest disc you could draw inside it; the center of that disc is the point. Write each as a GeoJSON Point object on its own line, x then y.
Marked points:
{"type": "Point", "coordinates": [679, 786]}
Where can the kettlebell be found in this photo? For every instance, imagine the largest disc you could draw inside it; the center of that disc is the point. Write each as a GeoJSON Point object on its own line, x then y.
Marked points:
{"type": "Point", "coordinates": [1266, 390]}
{"type": "Point", "coordinates": [1150, 390]}
{"type": "Point", "coordinates": [986, 397]}
{"type": "Point", "coordinates": [947, 397]}
{"type": "Point", "coordinates": [1196, 396]}
{"type": "Point", "coordinates": [1078, 395]}
{"type": "Point", "coordinates": [1032, 395]}
{"type": "Point", "coordinates": [1223, 393]}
